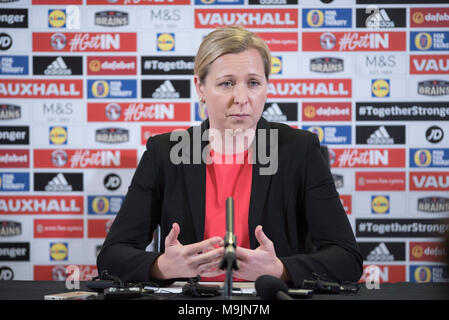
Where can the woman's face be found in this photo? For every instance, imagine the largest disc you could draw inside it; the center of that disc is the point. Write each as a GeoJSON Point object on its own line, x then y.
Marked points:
{"type": "Point", "coordinates": [234, 90]}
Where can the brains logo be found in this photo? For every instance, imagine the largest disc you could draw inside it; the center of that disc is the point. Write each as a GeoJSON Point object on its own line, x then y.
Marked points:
{"type": "Point", "coordinates": [318, 131]}
{"type": "Point", "coordinates": [380, 204]}
{"type": "Point", "coordinates": [58, 135]}
{"type": "Point", "coordinates": [422, 158]}
{"type": "Point", "coordinates": [380, 88]}
{"type": "Point", "coordinates": [423, 274]}
{"type": "Point", "coordinates": [59, 251]}
{"type": "Point", "coordinates": [315, 18]}
{"type": "Point", "coordinates": [100, 205]}
{"type": "Point", "coordinates": [100, 89]}
{"type": "Point", "coordinates": [276, 65]}
{"type": "Point", "coordinates": [165, 42]}
{"type": "Point", "coordinates": [423, 41]}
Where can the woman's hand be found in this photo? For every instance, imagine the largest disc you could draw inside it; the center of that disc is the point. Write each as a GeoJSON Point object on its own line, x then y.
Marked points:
{"type": "Point", "coordinates": [260, 261]}
{"type": "Point", "coordinates": [186, 261]}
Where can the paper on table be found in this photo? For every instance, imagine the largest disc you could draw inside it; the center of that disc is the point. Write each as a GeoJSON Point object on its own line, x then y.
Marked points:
{"type": "Point", "coordinates": [243, 287]}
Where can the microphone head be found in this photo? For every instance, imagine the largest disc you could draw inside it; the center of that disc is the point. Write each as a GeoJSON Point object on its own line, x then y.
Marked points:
{"type": "Point", "coordinates": [268, 286]}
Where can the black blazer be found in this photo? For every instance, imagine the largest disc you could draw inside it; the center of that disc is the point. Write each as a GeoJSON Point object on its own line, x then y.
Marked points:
{"type": "Point", "coordinates": [298, 207]}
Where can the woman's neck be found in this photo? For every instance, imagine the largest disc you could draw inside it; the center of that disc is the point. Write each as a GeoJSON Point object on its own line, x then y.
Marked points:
{"type": "Point", "coordinates": [231, 141]}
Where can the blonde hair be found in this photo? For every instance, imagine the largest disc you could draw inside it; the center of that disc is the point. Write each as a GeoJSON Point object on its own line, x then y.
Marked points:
{"type": "Point", "coordinates": [225, 40]}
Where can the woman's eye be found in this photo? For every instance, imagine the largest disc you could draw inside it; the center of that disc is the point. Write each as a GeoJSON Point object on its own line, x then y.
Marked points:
{"type": "Point", "coordinates": [254, 83]}
{"type": "Point", "coordinates": [226, 84]}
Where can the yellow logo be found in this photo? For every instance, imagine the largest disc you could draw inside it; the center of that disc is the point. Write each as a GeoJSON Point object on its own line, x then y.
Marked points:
{"type": "Point", "coordinates": [202, 111]}
{"type": "Point", "coordinates": [56, 18]}
{"type": "Point", "coordinates": [276, 65]}
{"type": "Point", "coordinates": [418, 17]}
{"type": "Point", "coordinates": [422, 158]}
{"type": "Point", "coordinates": [309, 112]}
{"type": "Point", "coordinates": [95, 65]}
{"type": "Point", "coordinates": [100, 89]}
{"type": "Point", "coordinates": [423, 41]}
{"type": "Point", "coordinates": [417, 251]}
{"type": "Point", "coordinates": [207, 1]}
{"type": "Point", "coordinates": [318, 131]}
{"type": "Point", "coordinates": [58, 251]}
{"type": "Point", "coordinates": [58, 135]}
{"type": "Point", "coordinates": [100, 205]}
{"type": "Point", "coordinates": [380, 88]}
{"type": "Point", "coordinates": [165, 42]}
{"type": "Point", "coordinates": [315, 18]}
{"type": "Point", "coordinates": [423, 274]}
{"type": "Point", "coordinates": [380, 204]}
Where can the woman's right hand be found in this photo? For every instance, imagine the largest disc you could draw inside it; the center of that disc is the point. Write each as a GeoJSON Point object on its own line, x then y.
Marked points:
{"type": "Point", "coordinates": [187, 261]}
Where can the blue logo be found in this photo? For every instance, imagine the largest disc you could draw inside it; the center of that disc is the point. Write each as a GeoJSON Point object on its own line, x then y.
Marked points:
{"type": "Point", "coordinates": [331, 134]}
{"type": "Point", "coordinates": [428, 273]}
{"type": "Point", "coordinates": [326, 18]}
{"type": "Point", "coordinates": [429, 158]}
{"type": "Point", "coordinates": [200, 112]}
{"type": "Point", "coordinates": [218, 2]}
{"type": "Point", "coordinates": [429, 41]}
{"type": "Point", "coordinates": [112, 89]}
{"type": "Point", "coordinates": [14, 181]}
{"type": "Point", "coordinates": [13, 65]}
{"type": "Point", "coordinates": [99, 205]}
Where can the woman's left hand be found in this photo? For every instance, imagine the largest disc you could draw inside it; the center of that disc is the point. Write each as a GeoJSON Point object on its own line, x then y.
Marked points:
{"type": "Point", "coordinates": [260, 261]}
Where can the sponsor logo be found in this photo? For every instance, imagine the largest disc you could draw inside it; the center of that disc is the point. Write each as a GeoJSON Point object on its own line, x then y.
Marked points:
{"type": "Point", "coordinates": [380, 204]}
{"type": "Point", "coordinates": [57, 65]}
{"type": "Point", "coordinates": [280, 41]}
{"type": "Point", "coordinates": [323, 111]}
{"type": "Point", "coordinates": [272, 2]}
{"type": "Point", "coordinates": [429, 41]}
{"type": "Point", "coordinates": [429, 181]}
{"type": "Point", "coordinates": [382, 251]}
{"type": "Point", "coordinates": [58, 135]}
{"type": "Point", "coordinates": [428, 251]}
{"type": "Point", "coordinates": [58, 182]}
{"type": "Point", "coordinates": [426, 274]}
{"type": "Point", "coordinates": [84, 42]}
{"type": "Point", "coordinates": [112, 135]}
{"type": "Point", "coordinates": [434, 134]}
{"type": "Point", "coordinates": [112, 182]}
{"type": "Point", "coordinates": [98, 228]}
{"type": "Point", "coordinates": [59, 251]}
{"type": "Point", "coordinates": [249, 18]}
{"type": "Point", "coordinates": [138, 112]}
{"type": "Point", "coordinates": [17, 251]}
{"type": "Point", "coordinates": [376, 18]}
{"type": "Point", "coordinates": [429, 17]}
{"type": "Point", "coordinates": [433, 88]}
{"type": "Point", "coordinates": [218, 2]}
{"type": "Point", "coordinates": [165, 42]}
{"type": "Point", "coordinates": [164, 18]}
{"type": "Point", "coordinates": [10, 229]}
{"type": "Point", "coordinates": [38, 88]}
{"type": "Point", "coordinates": [111, 18]}
{"type": "Point", "coordinates": [112, 89]}
{"type": "Point", "coordinates": [326, 65]}
{"type": "Point", "coordinates": [346, 201]}
{"type": "Point", "coordinates": [58, 272]}
{"type": "Point", "coordinates": [309, 88]}
{"type": "Point", "coordinates": [338, 180]}
{"type": "Point", "coordinates": [326, 18]}
{"type": "Point", "coordinates": [380, 63]}
{"type": "Point", "coordinates": [6, 273]}
{"type": "Point", "coordinates": [384, 273]}
{"type": "Point", "coordinates": [5, 41]}
{"type": "Point", "coordinates": [14, 158]}
{"type": "Point", "coordinates": [165, 89]}
{"type": "Point", "coordinates": [353, 41]}
{"type": "Point", "coordinates": [276, 65]}
{"type": "Point", "coordinates": [201, 112]}
{"type": "Point", "coordinates": [368, 158]}
{"type": "Point", "coordinates": [41, 204]}
{"type": "Point", "coordinates": [147, 132]}
{"type": "Point", "coordinates": [85, 158]}
{"type": "Point", "coordinates": [13, 65]}
{"type": "Point", "coordinates": [331, 134]}
{"type": "Point", "coordinates": [429, 64]}
{"type": "Point", "coordinates": [374, 135]}
{"type": "Point", "coordinates": [167, 65]}
{"type": "Point", "coordinates": [277, 111]}
{"type": "Point", "coordinates": [14, 135]}
{"type": "Point", "coordinates": [13, 18]}
{"type": "Point", "coordinates": [111, 65]}
{"type": "Point", "coordinates": [57, 18]}
{"type": "Point", "coordinates": [397, 111]}
{"type": "Point", "coordinates": [14, 181]}
{"type": "Point", "coordinates": [10, 112]}
{"type": "Point", "coordinates": [58, 228]}
{"type": "Point", "coordinates": [401, 228]}
{"type": "Point", "coordinates": [433, 204]}
{"type": "Point", "coordinates": [380, 88]}
{"type": "Point", "coordinates": [137, 2]}
{"type": "Point", "coordinates": [104, 204]}
{"type": "Point", "coordinates": [431, 158]}
{"type": "Point", "coordinates": [380, 181]}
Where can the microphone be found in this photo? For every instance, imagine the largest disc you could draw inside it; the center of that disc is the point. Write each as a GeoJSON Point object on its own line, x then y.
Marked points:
{"type": "Point", "coordinates": [271, 288]}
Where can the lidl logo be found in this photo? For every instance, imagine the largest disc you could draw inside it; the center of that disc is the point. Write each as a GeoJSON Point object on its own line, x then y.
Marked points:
{"type": "Point", "coordinates": [57, 18]}
{"type": "Point", "coordinates": [276, 65]}
{"type": "Point", "coordinates": [380, 204]}
{"type": "Point", "coordinates": [59, 251]}
{"type": "Point", "coordinates": [58, 135]}
{"type": "Point", "coordinates": [165, 42]}
{"type": "Point", "coordinates": [200, 112]}
{"type": "Point", "coordinates": [380, 88]}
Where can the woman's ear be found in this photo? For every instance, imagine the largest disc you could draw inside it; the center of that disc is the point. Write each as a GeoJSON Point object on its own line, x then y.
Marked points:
{"type": "Point", "coordinates": [198, 86]}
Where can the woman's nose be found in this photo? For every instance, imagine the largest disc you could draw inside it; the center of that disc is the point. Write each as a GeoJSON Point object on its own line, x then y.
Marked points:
{"type": "Point", "coordinates": [240, 95]}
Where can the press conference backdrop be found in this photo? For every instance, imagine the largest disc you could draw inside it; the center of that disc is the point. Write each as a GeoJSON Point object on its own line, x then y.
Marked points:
{"type": "Point", "coordinates": [84, 83]}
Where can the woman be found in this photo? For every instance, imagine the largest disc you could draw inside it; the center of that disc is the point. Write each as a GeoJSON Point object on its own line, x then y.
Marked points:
{"type": "Point", "coordinates": [289, 223]}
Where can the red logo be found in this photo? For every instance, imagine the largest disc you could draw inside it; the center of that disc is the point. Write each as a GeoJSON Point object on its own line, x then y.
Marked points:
{"type": "Point", "coordinates": [429, 64]}
{"type": "Point", "coordinates": [309, 88]}
{"type": "Point", "coordinates": [98, 228]}
{"type": "Point", "coordinates": [155, 130]}
{"type": "Point", "coordinates": [324, 111]}
{"type": "Point", "coordinates": [367, 158]}
{"type": "Point", "coordinates": [138, 2]}
{"type": "Point", "coordinates": [59, 273]}
{"type": "Point", "coordinates": [428, 251]}
{"type": "Point", "coordinates": [138, 112]}
{"type": "Point", "coordinates": [84, 41]}
{"type": "Point", "coordinates": [14, 158]}
{"type": "Point", "coordinates": [354, 41]}
{"type": "Point", "coordinates": [429, 17]}
{"type": "Point", "coordinates": [85, 158]}
{"type": "Point", "coordinates": [61, 2]}
{"type": "Point", "coordinates": [249, 18]}
{"type": "Point", "coordinates": [280, 41]}
{"type": "Point", "coordinates": [61, 228]}
{"type": "Point", "coordinates": [111, 65]}
{"type": "Point", "coordinates": [41, 205]}
{"type": "Point", "coordinates": [383, 273]}
{"type": "Point", "coordinates": [380, 181]}
{"type": "Point", "coordinates": [26, 89]}
{"type": "Point", "coordinates": [429, 181]}
{"type": "Point", "coordinates": [346, 201]}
